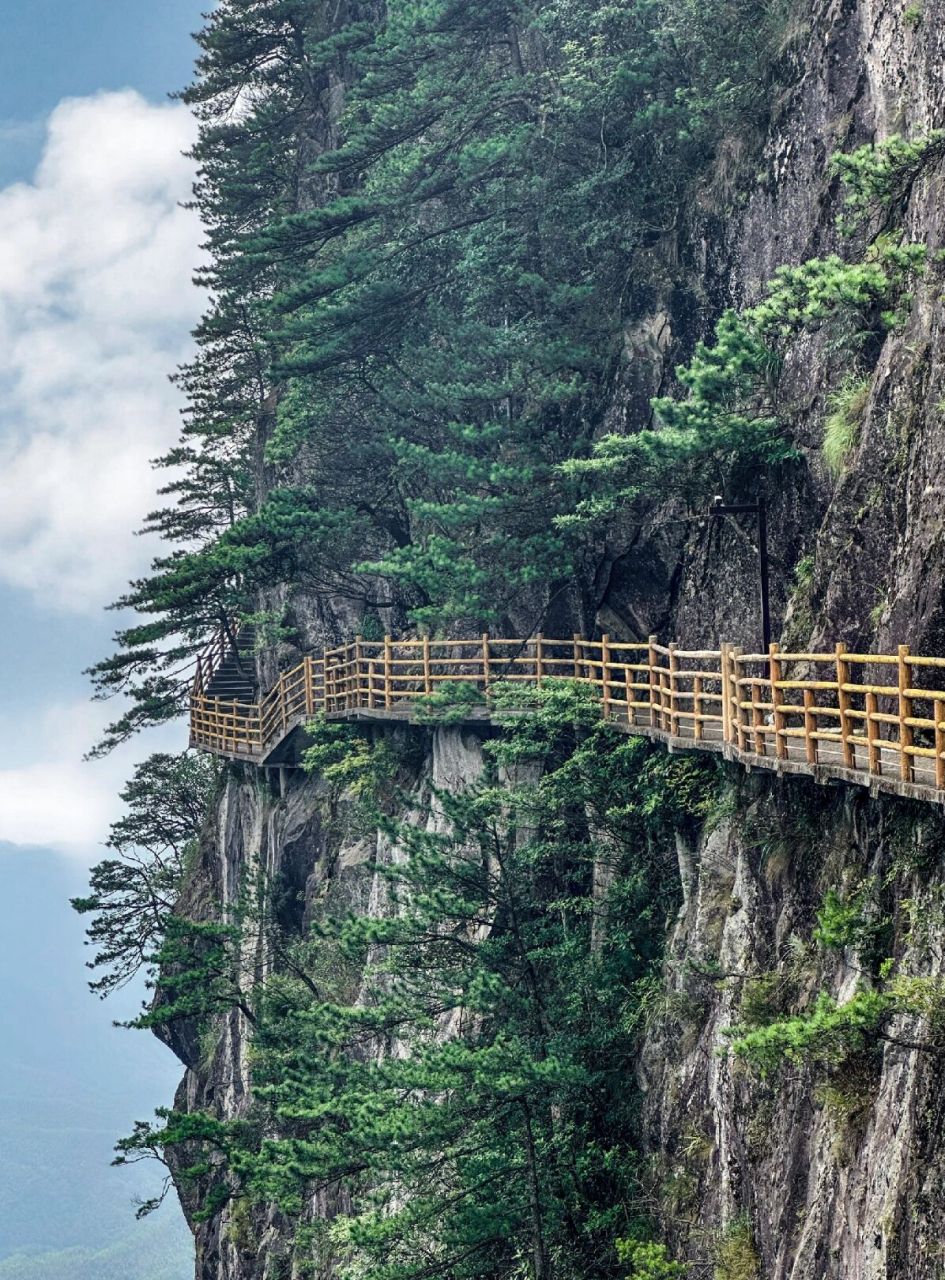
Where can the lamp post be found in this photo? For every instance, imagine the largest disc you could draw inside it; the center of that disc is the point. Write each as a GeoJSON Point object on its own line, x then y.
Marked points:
{"type": "Point", "coordinates": [719, 509]}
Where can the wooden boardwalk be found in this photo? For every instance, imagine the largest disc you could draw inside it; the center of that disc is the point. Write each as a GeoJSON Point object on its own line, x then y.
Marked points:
{"type": "Point", "coordinates": [872, 719]}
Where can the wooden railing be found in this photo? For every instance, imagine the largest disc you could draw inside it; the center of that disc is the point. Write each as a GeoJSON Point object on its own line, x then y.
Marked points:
{"type": "Point", "coordinates": [861, 717]}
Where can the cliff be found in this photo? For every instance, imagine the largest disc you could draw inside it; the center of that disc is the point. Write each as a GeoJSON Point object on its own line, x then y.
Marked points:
{"type": "Point", "coordinates": [808, 1180]}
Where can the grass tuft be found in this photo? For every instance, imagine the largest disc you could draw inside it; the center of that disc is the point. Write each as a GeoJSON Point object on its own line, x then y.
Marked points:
{"type": "Point", "coordinates": [845, 409]}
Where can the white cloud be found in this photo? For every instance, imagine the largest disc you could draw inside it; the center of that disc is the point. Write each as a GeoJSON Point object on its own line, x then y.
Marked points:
{"type": "Point", "coordinates": [60, 801]}
{"type": "Point", "coordinates": [96, 306]}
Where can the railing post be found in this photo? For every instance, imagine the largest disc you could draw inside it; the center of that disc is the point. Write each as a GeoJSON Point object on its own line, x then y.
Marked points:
{"type": "Point", "coordinates": [937, 711]}
{"type": "Point", "coordinates": [605, 673]}
{"type": "Point", "coordinates": [486, 667]}
{"type": "Point", "coordinates": [309, 687]}
{"type": "Point", "coordinates": [810, 727]}
{"type": "Point", "coordinates": [427, 673]}
{"type": "Point", "coordinates": [697, 708]}
{"type": "Point", "coordinates": [651, 671]}
{"type": "Point", "coordinates": [843, 706]}
{"type": "Point", "coordinates": [741, 715]}
{"type": "Point", "coordinates": [356, 691]}
{"type": "Point", "coordinates": [872, 734]}
{"type": "Point", "coordinates": [671, 686]}
{"type": "Point", "coordinates": [726, 685]}
{"type": "Point", "coordinates": [577, 655]}
{"type": "Point", "coordinates": [388, 674]}
{"type": "Point", "coordinates": [906, 735]}
{"type": "Point", "coordinates": [539, 658]}
{"type": "Point", "coordinates": [776, 674]}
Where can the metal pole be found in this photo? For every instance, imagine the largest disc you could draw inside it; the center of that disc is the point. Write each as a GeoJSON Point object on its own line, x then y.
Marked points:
{"type": "Point", "coordinates": [763, 566]}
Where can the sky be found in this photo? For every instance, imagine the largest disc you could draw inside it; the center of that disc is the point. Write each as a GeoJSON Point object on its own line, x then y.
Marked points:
{"type": "Point", "coordinates": [96, 308]}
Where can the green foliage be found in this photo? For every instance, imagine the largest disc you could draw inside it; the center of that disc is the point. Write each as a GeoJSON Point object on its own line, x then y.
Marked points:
{"type": "Point", "coordinates": [649, 1261]}
{"type": "Point", "coordinates": [474, 1101]}
{"type": "Point", "coordinates": [736, 1255]}
{"type": "Point", "coordinates": [345, 759]}
{"type": "Point", "coordinates": [450, 704]}
{"type": "Point", "coordinates": [912, 15]}
{"type": "Point", "coordinates": [804, 572]}
{"type": "Point", "coordinates": [202, 973]}
{"type": "Point", "coordinates": [851, 921]}
{"type": "Point", "coordinates": [411, 333]}
{"type": "Point", "coordinates": [131, 897]}
{"type": "Point", "coordinates": [727, 421]}
{"type": "Point", "coordinates": [849, 1094]}
{"type": "Point", "coordinates": [845, 409]}
{"type": "Point", "coordinates": [826, 1035]}
{"type": "Point", "coordinates": [765, 996]}
{"type": "Point", "coordinates": [880, 176]}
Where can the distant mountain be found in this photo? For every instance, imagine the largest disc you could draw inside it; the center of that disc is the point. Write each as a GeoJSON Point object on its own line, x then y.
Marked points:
{"type": "Point", "coordinates": [70, 1085]}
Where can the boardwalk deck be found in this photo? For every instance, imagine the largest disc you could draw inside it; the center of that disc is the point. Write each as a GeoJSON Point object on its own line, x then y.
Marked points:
{"type": "Point", "coordinates": [871, 719]}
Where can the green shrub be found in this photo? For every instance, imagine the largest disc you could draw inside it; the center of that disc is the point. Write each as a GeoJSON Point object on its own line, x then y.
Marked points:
{"type": "Point", "coordinates": [845, 409]}
{"type": "Point", "coordinates": [826, 1035]}
{"type": "Point", "coordinates": [851, 1091]}
{"type": "Point", "coordinates": [880, 175]}
{"type": "Point", "coordinates": [450, 704]}
{"type": "Point", "coordinates": [854, 921]}
{"type": "Point", "coordinates": [649, 1261]}
{"type": "Point", "coordinates": [736, 1257]}
{"type": "Point", "coordinates": [804, 572]}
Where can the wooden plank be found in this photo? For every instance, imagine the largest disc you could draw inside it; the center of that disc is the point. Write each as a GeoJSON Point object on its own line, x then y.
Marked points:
{"type": "Point", "coordinates": [388, 684]}
{"type": "Point", "coordinates": [427, 682]}
{"type": "Point", "coordinates": [906, 736]}
{"type": "Point", "coordinates": [354, 699]}
{"type": "Point", "coordinates": [655, 699]}
{"type": "Point", "coordinates": [671, 688]}
{"type": "Point", "coordinates": [774, 675]}
{"type": "Point", "coordinates": [757, 722]}
{"type": "Point", "coordinates": [844, 704]}
{"type": "Point", "coordinates": [872, 734]}
{"type": "Point", "coordinates": [486, 662]}
{"type": "Point", "coordinates": [539, 659]}
{"type": "Point", "coordinates": [605, 674]}
{"type": "Point", "coordinates": [697, 728]}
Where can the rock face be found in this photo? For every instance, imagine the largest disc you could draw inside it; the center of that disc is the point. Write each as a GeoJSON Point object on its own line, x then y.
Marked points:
{"type": "Point", "coordinates": [832, 1185]}
{"type": "Point", "coordinates": [283, 831]}
{"type": "Point", "coordinates": [849, 1190]}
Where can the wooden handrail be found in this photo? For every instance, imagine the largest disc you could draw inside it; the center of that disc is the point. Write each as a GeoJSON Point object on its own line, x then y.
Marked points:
{"type": "Point", "coordinates": [798, 712]}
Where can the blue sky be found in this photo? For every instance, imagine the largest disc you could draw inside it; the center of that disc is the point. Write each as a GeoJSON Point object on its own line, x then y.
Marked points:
{"type": "Point", "coordinates": [53, 49]}
{"type": "Point", "coordinates": [96, 305]}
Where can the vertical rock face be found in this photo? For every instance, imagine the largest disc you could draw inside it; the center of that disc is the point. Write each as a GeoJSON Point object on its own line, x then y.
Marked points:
{"type": "Point", "coordinates": [855, 1193]}
{"type": "Point", "coordinates": [860, 73]}
{"type": "Point", "coordinates": [282, 831]}
{"type": "Point", "coordinates": [832, 1185]}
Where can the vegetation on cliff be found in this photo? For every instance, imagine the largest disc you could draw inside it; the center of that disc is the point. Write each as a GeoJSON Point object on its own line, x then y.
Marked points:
{"type": "Point", "coordinates": [421, 296]}
{"type": "Point", "coordinates": [432, 226]}
{"type": "Point", "coordinates": [458, 1067]}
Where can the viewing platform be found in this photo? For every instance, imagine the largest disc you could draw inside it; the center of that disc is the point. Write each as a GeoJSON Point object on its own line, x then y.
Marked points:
{"type": "Point", "coordinates": [876, 720]}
